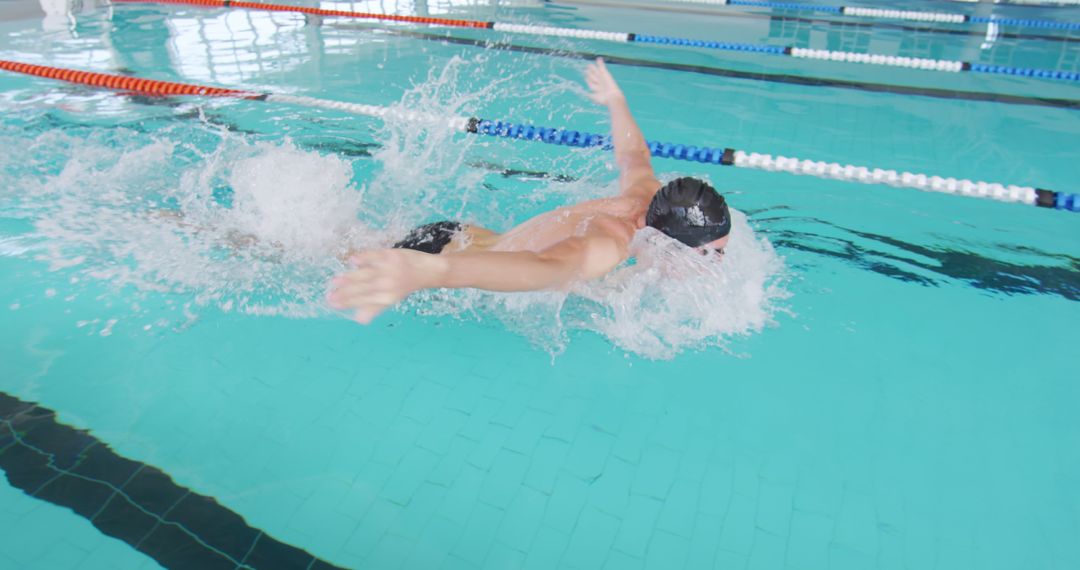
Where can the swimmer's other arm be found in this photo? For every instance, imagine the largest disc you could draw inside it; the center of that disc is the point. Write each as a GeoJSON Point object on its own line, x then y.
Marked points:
{"type": "Point", "coordinates": [636, 176]}
{"type": "Point", "coordinates": [383, 278]}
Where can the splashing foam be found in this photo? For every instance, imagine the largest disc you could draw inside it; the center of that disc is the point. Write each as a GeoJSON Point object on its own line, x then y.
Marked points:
{"type": "Point", "coordinates": [674, 298]}
{"type": "Point", "coordinates": [257, 227]}
{"type": "Point", "coordinates": [146, 217]}
{"type": "Point", "coordinates": [669, 300]}
{"type": "Point", "coordinates": [423, 171]}
{"type": "Point", "coordinates": [298, 201]}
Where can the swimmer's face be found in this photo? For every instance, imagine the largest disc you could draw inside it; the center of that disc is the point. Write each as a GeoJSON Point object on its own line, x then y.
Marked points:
{"type": "Point", "coordinates": [714, 247]}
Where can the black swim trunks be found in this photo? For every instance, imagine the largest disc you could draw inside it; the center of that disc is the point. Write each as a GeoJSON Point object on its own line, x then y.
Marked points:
{"type": "Point", "coordinates": [430, 238]}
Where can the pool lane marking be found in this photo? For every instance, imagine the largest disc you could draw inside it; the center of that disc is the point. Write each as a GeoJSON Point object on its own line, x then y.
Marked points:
{"type": "Point", "coordinates": [171, 88]}
{"type": "Point", "coordinates": [132, 501]}
{"type": "Point", "coordinates": [927, 64]}
{"type": "Point", "coordinates": [692, 9]}
{"type": "Point", "coordinates": [934, 92]}
{"type": "Point", "coordinates": [1015, 3]}
{"type": "Point", "coordinates": [1026, 3]}
{"type": "Point", "coordinates": [885, 13]}
{"type": "Point", "coordinates": [123, 82]}
{"type": "Point", "coordinates": [566, 137]}
{"type": "Point", "coordinates": [757, 161]}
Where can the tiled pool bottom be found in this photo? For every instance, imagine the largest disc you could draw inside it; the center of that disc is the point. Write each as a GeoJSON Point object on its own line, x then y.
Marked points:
{"type": "Point", "coordinates": [530, 492]}
{"type": "Point", "coordinates": [39, 535]}
{"type": "Point", "coordinates": [913, 411]}
{"type": "Point", "coordinates": [130, 501]}
{"type": "Point", "coordinates": [485, 454]}
{"type": "Point", "coordinates": [538, 479]}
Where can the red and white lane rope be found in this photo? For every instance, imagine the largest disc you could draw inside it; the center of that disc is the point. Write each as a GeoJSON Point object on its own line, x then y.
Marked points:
{"type": "Point", "coordinates": [124, 82]}
{"type": "Point", "coordinates": [952, 66]}
{"type": "Point", "coordinates": [560, 136]}
{"type": "Point", "coordinates": [171, 88]}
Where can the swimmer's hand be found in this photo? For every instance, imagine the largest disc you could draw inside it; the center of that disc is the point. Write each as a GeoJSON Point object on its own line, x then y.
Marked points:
{"type": "Point", "coordinates": [383, 278]}
{"type": "Point", "coordinates": [602, 86]}
{"type": "Point", "coordinates": [636, 176]}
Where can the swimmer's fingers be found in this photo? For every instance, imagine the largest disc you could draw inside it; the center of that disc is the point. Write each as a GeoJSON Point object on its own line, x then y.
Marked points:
{"type": "Point", "coordinates": [364, 315]}
{"type": "Point", "coordinates": [362, 274]}
{"type": "Point", "coordinates": [365, 258]}
{"type": "Point", "coordinates": [348, 285]}
{"type": "Point", "coordinates": [355, 299]}
{"type": "Point", "coordinates": [594, 79]}
{"type": "Point", "coordinates": [594, 89]}
{"type": "Point", "coordinates": [365, 303]}
{"type": "Point", "coordinates": [358, 296]}
{"type": "Point", "coordinates": [596, 67]}
{"type": "Point", "coordinates": [599, 72]}
{"type": "Point", "coordinates": [602, 86]}
{"type": "Point", "coordinates": [360, 286]}
{"type": "Point", "coordinates": [359, 291]}
{"type": "Point", "coordinates": [368, 290]}
{"type": "Point", "coordinates": [380, 279]}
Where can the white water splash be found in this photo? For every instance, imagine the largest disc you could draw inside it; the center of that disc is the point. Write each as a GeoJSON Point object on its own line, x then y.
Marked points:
{"type": "Point", "coordinates": [675, 298]}
{"type": "Point", "coordinates": [669, 300]}
{"type": "Point", "coordinates": [146, 214]}
{"type": "Point", "coordinates": [297, 200]}
{"type": "Point", "coordinates": [142, 216]}
{"type": "Point", "coordinates": [422, 171]}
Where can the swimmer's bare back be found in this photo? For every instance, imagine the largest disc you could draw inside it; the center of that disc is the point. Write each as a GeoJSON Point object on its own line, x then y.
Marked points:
{"type": "Point", "coordinates": [615, 215]}
{"type": "Point", "coordinates": [553, 250]}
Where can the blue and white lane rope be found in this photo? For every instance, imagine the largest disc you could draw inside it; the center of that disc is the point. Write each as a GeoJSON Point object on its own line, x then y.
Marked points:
{"type": "Point", "coordinates": [713, 155]}
{"type": "Point", "coordinates": [883, 13]}
{"type": "Point", "coordinates": [624, 37]}
{"type": "Point", "coordinates": [1026, 3]}
{"type": "Point", "coordinates": [741, 159]}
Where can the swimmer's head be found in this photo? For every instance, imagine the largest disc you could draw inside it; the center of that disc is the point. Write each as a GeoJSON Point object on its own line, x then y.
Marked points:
{"type": "Point", "coordinates": [691, 211]}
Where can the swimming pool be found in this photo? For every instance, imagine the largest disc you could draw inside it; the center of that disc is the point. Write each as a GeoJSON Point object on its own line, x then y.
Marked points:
{"type": "Point", "coordinates": [877, 378]}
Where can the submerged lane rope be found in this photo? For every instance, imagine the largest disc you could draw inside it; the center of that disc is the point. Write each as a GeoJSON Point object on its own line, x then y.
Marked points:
{"type": "Point", "coordinates": [566, 137]}
{"type": "Point", "coordinates": [944, 65]}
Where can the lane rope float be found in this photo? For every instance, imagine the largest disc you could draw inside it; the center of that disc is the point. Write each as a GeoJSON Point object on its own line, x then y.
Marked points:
{"type": "Point", "coordinates": [566, 137]}
{"type": "Point", "coordinates": [885, 13]}
{"type": "Point", "coordinates": [124, 82]}
{"type": "Point", "coordinates": [171, 88]}
{"type": "Point", "coordinates": [1026, 3]}
{"type": "Point", "coordinates": [927, 64]}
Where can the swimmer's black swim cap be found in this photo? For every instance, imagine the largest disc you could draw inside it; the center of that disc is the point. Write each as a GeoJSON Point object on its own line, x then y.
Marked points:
{"type": "Point", "coordinates": [690, 211]}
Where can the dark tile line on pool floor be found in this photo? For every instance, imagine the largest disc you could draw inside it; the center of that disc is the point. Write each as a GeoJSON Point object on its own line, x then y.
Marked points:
{"type": "Point", "coordinates": [934, 92]}
{"type": "Point", "coordinates": [1060, 277]}
{"type": "Point", "coordinates": [132, 501]}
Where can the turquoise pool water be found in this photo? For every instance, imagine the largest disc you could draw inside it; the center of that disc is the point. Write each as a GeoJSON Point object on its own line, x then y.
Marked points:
{"type": "Point", "coordinates": [874, 378]}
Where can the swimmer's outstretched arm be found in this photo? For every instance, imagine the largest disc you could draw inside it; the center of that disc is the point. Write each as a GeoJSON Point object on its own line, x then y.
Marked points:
{"type": "Point", "coordinates": [385, 277]}
{"type": "Point", "coordinates": [636, 177]}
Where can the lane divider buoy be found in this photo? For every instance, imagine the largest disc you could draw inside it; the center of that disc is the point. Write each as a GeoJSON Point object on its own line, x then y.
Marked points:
{"type": "Point", "coordinates": [566, 137]}
{"type": "Point", "coordinates": [124, 82]}
{"type": "Point", "coordinates": [890, 14]}
{"type": "Point", "coordinates": [927, 64]}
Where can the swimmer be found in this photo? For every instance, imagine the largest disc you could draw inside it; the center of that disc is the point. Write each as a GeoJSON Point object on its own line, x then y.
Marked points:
{"type": "Point", "coordinates": [552, 250]}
